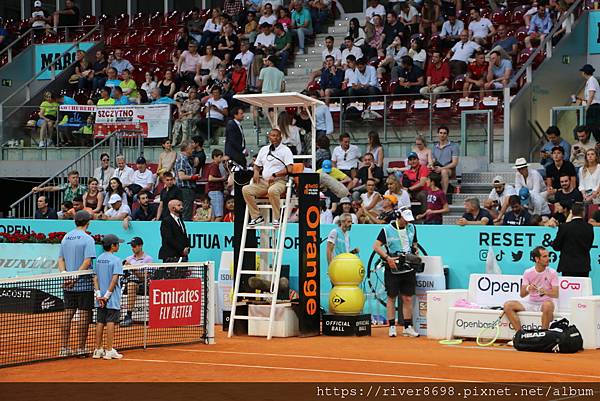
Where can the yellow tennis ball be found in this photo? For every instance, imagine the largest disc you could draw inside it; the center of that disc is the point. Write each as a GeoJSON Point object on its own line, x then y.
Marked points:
{"type": "Point", "coordinates": [346, 269]}
{"type": "Point", "coordinates": [346, 300]}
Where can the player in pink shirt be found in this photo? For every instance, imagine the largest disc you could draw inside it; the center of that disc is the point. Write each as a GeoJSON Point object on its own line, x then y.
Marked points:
{"type": "Point", "coordinates": [540, 286]}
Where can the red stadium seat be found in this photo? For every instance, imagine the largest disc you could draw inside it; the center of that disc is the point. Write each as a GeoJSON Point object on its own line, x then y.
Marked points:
{"type": "Point", "coordinates": [499, 18]}
{"type": "Point", "coordinates": [174, 18]}
{"type": "Point", "coordinates": [164, 56]}
{"type": "Point", "coordinates": [115, 39]}
{"type": "Point", "coordinates": [169, 36]}
{"type": "Point", "coordinates": [458, 83]}
{"type": "Point", "coordinates": [396, 164]}
{"type": "Point", "coordinates": [156, 20]}
{"type": "Point", "coordinates": [130, 54]}
{"type": "Point", "coordinates": [122, 22]}
{"type": "Point", "coordinates": [88, 20]}
{"type": "Point", "coordinates": [106, 21]}
{"type": "Point", "coordinates": [521, 34]}
{"type": "Point", "coordinates": [146, 56]}
{"type": "Point", "coordinates": [81, 96]}
{"type": "Point", "coordinates": [152, 37]}
{"type": "Point", "coordinates": [140, 20]}
{"type": "Point", "coordinates": [139, 75]}
{"type": "Point", "coordinates": [135, 39]}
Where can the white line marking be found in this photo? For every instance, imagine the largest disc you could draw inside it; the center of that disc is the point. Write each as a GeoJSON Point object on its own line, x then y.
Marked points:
{"type": "Point", "coordinates": [305, 357]}
{"type": "Point", "coordinates": [341, 372]}
{"type": "Point", "coordinates": [540, 372]}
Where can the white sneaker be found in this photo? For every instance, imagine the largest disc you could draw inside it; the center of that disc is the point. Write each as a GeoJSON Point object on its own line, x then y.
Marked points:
{"type": "Point", "coordinates": [42, 144]}
{"type": "Point", "coordinates": [112, 354]}
{"type": "Point", "coordinates": [256, 221]}
{"type": "Point", "coordinates": [510, 343]}
{"type": "Point", "coordinates": [65, 352]}
{"type": "Point", "coordinates": [392, 331]}
{"type": "Point", "coordinates": [410, 332]}
{"type": "Point", "coordinates": [98, 353]}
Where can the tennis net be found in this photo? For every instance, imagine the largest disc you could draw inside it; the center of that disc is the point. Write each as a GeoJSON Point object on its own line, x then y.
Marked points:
{"type": "Point", "coordinates": [161, 304]}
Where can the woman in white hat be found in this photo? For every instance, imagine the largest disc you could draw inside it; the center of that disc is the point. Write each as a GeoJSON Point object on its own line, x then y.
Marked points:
{"type": "Point", "coordinates": [528, 177]}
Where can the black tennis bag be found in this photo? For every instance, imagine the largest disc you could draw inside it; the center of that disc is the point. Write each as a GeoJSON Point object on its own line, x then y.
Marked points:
{"type": "Point", "coordinates": [561, 337]}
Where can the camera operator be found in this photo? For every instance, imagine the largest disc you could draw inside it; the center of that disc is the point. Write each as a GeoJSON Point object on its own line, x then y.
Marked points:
{"type": "Point", "coordinates": [397, 246]}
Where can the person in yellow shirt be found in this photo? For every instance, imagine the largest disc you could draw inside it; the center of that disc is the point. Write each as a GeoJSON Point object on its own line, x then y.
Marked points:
{"type": "Point", "coordinates": [48, 115]}
{"type": "Point", "coordinates": [129, 87]}
{"type": "Point", "coordinates": [105, 99]}
{"type": "Point", "coordinates": [337, 174]}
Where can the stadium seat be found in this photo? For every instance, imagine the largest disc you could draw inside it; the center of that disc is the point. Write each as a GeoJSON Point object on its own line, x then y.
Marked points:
{"type": "Point", "coordinates": [140, 20]}
{"type": "Point", "coordinates": [396, 164]}
{"type": "Point", "coordinates": [115, 39]}
{"type": "Point", "coordinates": [88, 20]}
{"type": "Point", "coordinates": [138, 74]}
{"type": "Point", "coordinates": [169, 36]}
{"type": "Point", "coordinates": [122, 22]}
{"type": "Point", "coordinates": [156, 20]}
{"type": "Point", "coordinates": [163, 56]}
{"type": "Point", "coordinates": [499, 17]}
{"type": "Point", "coordinates": [106, 21]}
{"type": "Point", "coordinates": [174, 18]}
{"type": "Point", "coordinates": [521, 33]}
{"type": "Point", "coordinates": [146, 56]}
{"type": "Point", "coordinates": [152, 37]}
{"type": "Point", "coordinates": [135, 38]}
{"type": "Point", "coordinates": [81, 96]}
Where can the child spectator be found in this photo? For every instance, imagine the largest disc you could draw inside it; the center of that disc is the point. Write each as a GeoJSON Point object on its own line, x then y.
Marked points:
{"type": "Point", "coordinates": [64, 209]}
{"type": "Point", "coordinates": [107, 288]}
{"type": "Point", "coordinates": [229, 206]}
{"type": "Point", "coordinates": [204, 212]}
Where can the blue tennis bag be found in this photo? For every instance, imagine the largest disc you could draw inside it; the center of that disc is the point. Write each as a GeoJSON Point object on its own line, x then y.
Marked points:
{"type": "Point", "coordinates": [561, 337]}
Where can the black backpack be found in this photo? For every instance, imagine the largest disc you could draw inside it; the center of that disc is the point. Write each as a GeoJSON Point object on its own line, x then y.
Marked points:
{"type": "Point", "coordinates": [561, 337]}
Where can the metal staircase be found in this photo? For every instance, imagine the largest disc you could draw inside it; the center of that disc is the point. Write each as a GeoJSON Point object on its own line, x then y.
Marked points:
{"type": "Point", "coordinates": [270, 250]}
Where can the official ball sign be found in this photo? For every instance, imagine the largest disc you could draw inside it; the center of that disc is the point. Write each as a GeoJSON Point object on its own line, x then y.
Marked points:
{"type": "Point", "coordinates": [175, 303]}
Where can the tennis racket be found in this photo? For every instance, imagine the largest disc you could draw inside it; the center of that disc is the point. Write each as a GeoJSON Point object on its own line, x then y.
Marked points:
{"type": "Point", "coordinates": [488, 335]}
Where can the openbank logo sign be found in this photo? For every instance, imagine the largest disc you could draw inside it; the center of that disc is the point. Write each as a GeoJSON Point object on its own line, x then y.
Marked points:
{"type": "Point", "coordinates": [494, 289]}
{"type": "Point", "coordinates": [175, 303]}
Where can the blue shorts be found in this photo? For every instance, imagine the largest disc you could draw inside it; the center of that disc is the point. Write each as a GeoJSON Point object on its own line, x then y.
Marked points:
{"type": "Point", "coordinates": [216, 202]}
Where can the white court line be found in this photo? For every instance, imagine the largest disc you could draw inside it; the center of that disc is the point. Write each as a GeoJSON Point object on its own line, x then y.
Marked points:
{"type": "Point", "coordinates": [341, 372]}
{"type": "Point", "coordinates": [478, 347]}
{"type": "Point", "coordinates": [540, 372]}
{"type": "Point", "coordinates": [306, 357]}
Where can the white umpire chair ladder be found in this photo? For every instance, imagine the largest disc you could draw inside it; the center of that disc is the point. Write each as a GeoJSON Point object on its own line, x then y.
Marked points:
{"type": "Point", "coordinates": [270, 258]}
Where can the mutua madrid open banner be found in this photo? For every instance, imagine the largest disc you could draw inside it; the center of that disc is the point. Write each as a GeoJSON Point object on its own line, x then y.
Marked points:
{"type": "Point", "coordinates": [45, 54]}
{"type": "Point", "coordinates": [463, 249]}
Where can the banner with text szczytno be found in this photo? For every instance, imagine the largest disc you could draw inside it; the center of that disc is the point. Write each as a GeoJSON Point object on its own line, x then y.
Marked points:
{"type": "Point", "coordinates": [149, 120]}
{"type": "Point", "coordinates": [175, 303]}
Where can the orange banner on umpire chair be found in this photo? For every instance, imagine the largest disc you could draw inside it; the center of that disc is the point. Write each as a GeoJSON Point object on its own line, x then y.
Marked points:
{"type": "Point", "coordinates": [149, 120]}
{"type": "Point", "coordinates": [175, 303]}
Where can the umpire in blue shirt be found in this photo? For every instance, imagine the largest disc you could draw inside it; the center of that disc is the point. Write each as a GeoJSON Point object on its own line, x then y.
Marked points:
{"type": "Point", "coordinates": [77, 249]}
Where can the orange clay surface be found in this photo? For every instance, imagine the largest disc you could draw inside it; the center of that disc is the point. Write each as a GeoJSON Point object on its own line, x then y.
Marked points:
{"type": "Point", "coordinates": [375, 358]}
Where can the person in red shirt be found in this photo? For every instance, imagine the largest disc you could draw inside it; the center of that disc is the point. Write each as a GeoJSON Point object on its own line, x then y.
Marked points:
{"type": "Point", "coordinates": [437, 203]}
{"type": "Point", "coordinates": [239, 77]}
{"type": "Point", "coordinates": [415, 180]}
{"type": "Point", "coordinates": [476, 74]}
{"type": "Point", "coordinates": [438, 76]}
{"type": "Point", "coordinates": [215, 185]}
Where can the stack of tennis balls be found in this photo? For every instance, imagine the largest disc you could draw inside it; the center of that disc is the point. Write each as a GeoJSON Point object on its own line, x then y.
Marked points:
{"type": "Point", "coordinates": [346, 272]}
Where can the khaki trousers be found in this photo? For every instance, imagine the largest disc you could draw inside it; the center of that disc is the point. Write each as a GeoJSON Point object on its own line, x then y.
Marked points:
{"type": "Point", "coordinates": [273, 191]}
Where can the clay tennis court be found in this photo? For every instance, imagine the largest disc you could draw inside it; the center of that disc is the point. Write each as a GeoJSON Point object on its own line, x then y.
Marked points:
{"type": "Point", "coordinates": [321, 359]}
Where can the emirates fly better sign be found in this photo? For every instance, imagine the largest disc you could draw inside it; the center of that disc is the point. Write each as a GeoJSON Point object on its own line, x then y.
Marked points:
{"type": "Point", "coordinates": [175, 303]}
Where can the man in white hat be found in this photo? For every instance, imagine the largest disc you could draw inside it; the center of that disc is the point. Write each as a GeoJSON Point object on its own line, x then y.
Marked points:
{"type": "Point", "coordinates": [498, 197]}
{"type": "Point", "coordinates": [526, 177]}
{"type": "Point", "coordinates": [39, 18]}
{"type": "Point", "coordinates": [118, 210]}
{"type": "Point", "coordinates": [395, 239]}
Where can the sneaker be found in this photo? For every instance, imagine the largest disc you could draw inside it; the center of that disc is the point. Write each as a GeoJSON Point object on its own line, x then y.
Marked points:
{"type": "Point", "coordinates": [65, 352]}
{"type": "Point", "coordinates": [128, 321]}
{"type": "Point", "coordinates": [112, 354]}
{"type": "Point", "coordinates": [392, 331]}
{"type": "Point", "coordinates": [510, 343]}
{"type": "Point", "coordinates": [410, 332]}
{"type": "Point", "coordinates": [98, 353]}
{"type": "Point", "coordinates": [256, 221]}
{"type": "Point", "coordinates": [276, 223]}
{"type": "Point", "coordinates": [42, 144]}
{"type": "Point", "coordinates": [300, 52]}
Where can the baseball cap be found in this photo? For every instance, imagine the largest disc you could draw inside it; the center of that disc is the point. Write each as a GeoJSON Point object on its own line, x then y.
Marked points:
{"type": "Point", "coordinates": [114, 198]}
{"type": "Point", "coordinates": [37, 3]}
{"type": "Point", "coordinates": [405, 213]}
{"type": "Point", "coordinates": [412, 155]}
{"type": "Point", "coordinates": [141, 160]}
{"type": "Point", "coordinates": [345, 200]}
{"type": "Point", "coordinates": [588, 69]}
{"type": "Point", "coordinates": [326, 166]}
{"type": "Point", "coordinates": [110, 239]}
{"type": "Point", "coordinates": [524, 196]}
{"type": "Point", "coordinates": [391, 198]}
{"type": "Point", "coordinates": [558, 147]}
{"type": "Point", "coordinates": [499, 180]}
{"type": "Point", "coordinates": [136, 241]}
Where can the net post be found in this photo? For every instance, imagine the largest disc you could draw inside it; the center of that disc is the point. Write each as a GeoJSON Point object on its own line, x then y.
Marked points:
{"type": "Point", "coordinates": [210, 307]}
{"type": "Point", "coordinates": [146, 307]}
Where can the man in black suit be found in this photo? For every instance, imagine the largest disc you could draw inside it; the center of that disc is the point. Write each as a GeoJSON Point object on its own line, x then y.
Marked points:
{"type": "Point", "coordinates": [175, 245]}
{"type": "Point", "coordinates": [235, 143]}
{"type": "Point", "coordinates": [574, 240]}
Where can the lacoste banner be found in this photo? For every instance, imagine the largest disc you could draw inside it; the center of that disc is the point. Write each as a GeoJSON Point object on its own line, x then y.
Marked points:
{"type": "Point", "coordinates": [17, 260]}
